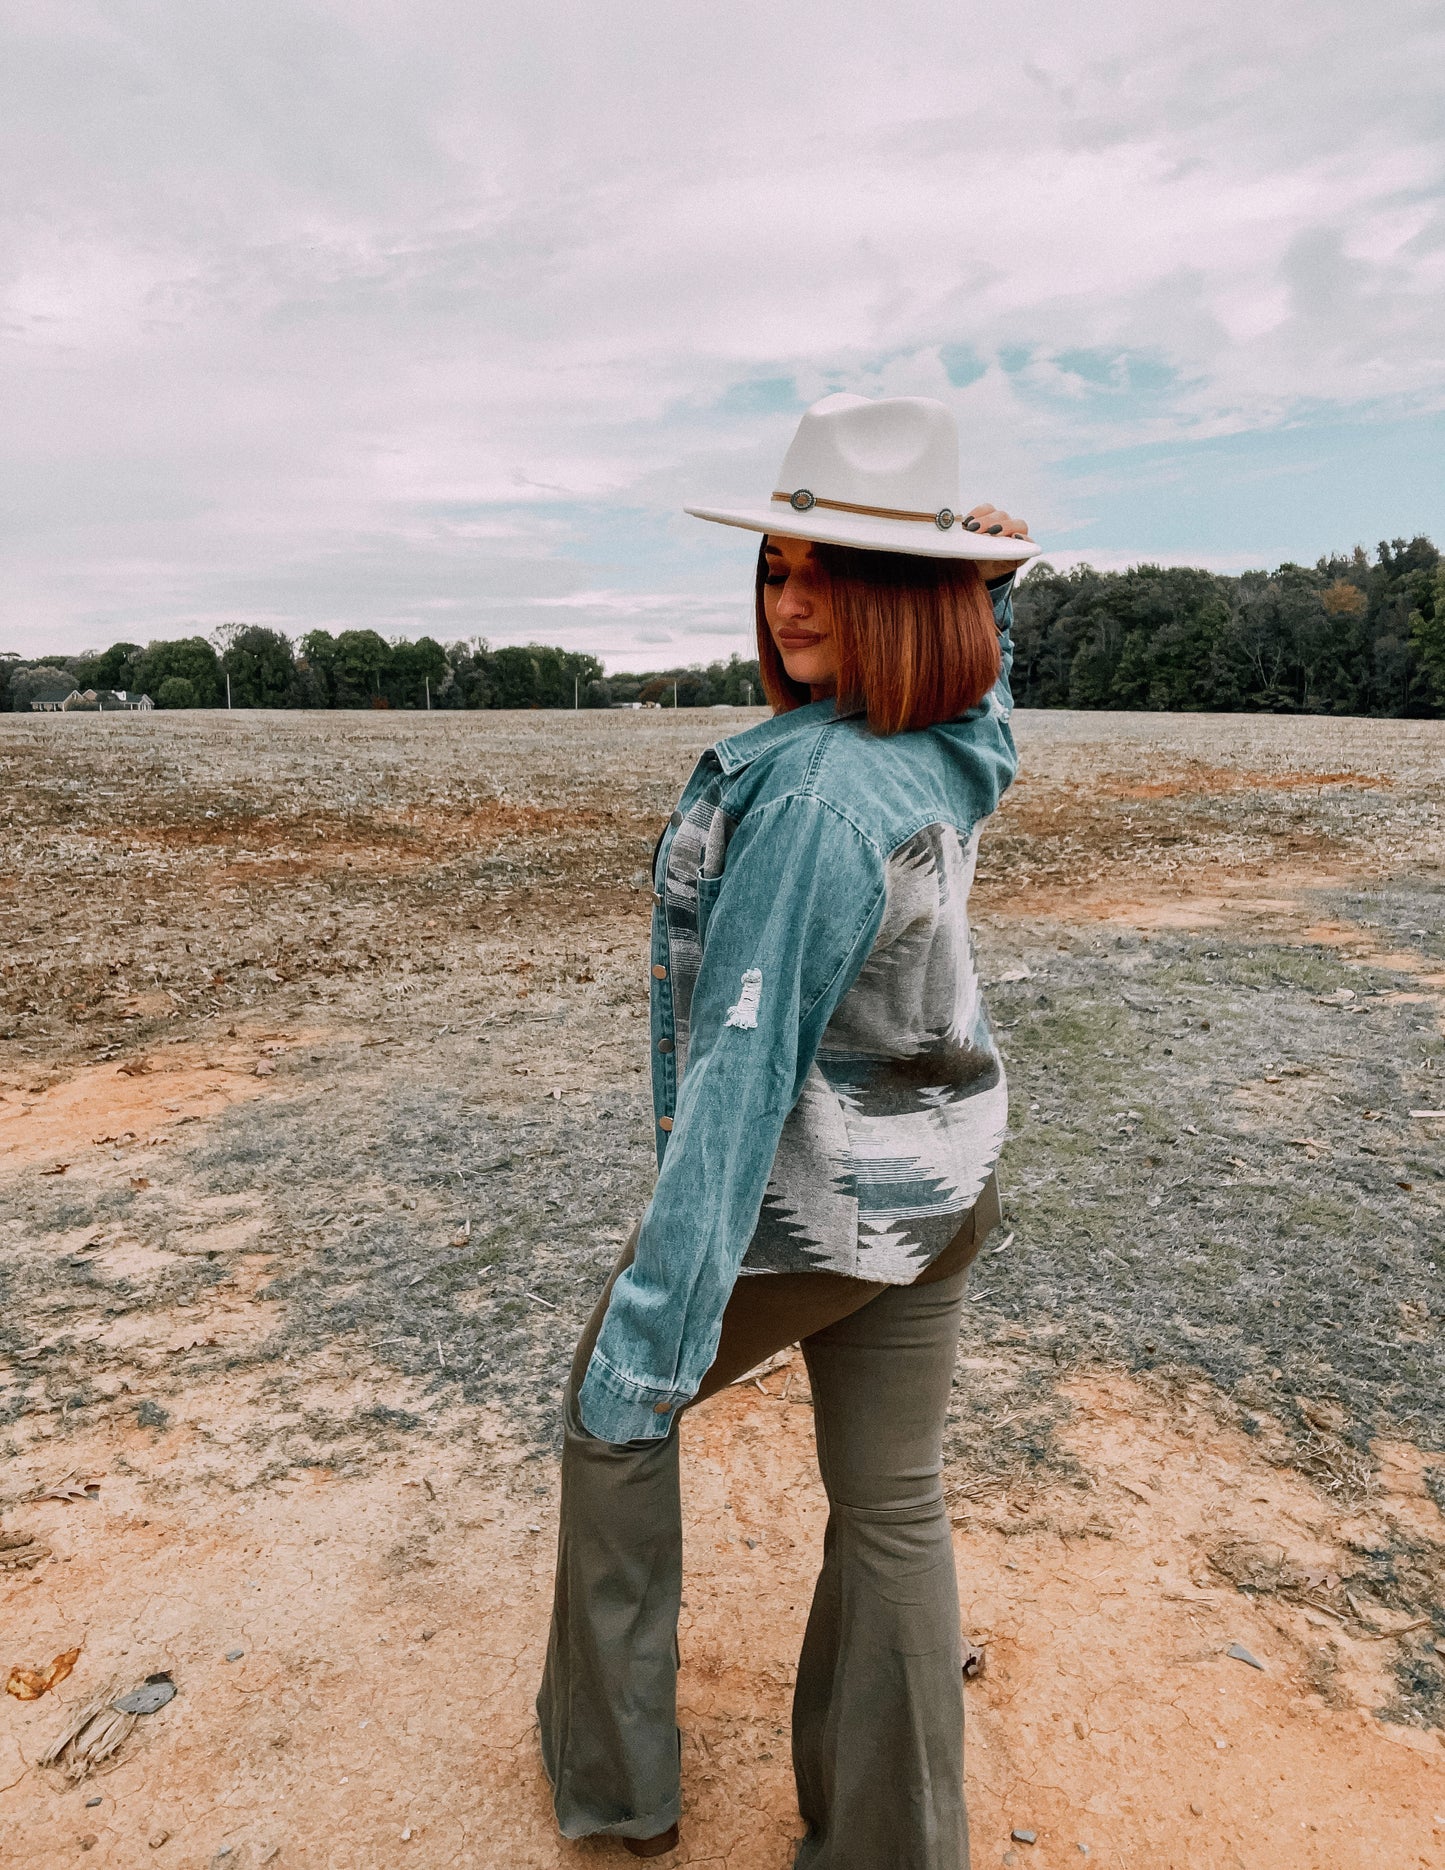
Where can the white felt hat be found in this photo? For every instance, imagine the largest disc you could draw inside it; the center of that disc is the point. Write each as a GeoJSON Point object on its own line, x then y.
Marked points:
{"type": "Point", "coordinates": [879, 475]}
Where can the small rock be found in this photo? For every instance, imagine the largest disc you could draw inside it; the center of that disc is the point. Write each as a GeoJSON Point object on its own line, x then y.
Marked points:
{"type": "Point", "coordinates": [1024, 1837]}
{"type": "Point", "coordinates": [234, 1655]}
{"type": "Point", "coordinates": [1198, 1810]}
{"type": "Point", "coordinates": [89, 1803]}
{"type": "Point", "coordinates": [159, 1838]}
{"type": "Point", "coordinates": [1241, 1654]}
{"type": "Point", "coordinates": [152, 1695]}
{"type": "Point", "coordinates": [89, 1841]}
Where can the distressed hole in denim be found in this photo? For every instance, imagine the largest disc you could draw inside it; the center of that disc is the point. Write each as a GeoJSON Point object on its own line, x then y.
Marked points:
{"type": "Point", "coordinates": [745, 1013]}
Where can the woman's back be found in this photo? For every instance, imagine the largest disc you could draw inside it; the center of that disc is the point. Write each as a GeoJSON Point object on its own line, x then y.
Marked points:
{"type": "Point", "coordinates": [901, 1116]}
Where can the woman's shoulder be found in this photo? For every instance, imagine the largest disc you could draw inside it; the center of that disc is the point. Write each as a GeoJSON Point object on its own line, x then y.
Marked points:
{"type": "Point", "coordinates": [886, 785]}
{"type": "Point", "coordinates": [954, 773]}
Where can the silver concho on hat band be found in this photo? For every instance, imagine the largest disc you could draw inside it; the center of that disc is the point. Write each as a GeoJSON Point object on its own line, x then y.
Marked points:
{"type": "Point", "coordinates": [944, 518]}
{"type": "Point", "coordinates": [801, 500]}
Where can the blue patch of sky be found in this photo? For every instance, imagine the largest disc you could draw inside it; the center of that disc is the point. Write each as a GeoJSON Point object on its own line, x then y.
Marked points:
{"type": "Point", "coordinates": [759, 396]}
{"type": "Point", "coordinates": [1120, 372]}
{"type": "Point", "coordinates": [962, 363]}
{"type": "Point", "coordinates": [1317, 486]}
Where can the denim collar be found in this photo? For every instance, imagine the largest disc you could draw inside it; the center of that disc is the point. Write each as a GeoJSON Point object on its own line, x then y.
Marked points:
{"type": "Point", "coordinates": [740, 750]}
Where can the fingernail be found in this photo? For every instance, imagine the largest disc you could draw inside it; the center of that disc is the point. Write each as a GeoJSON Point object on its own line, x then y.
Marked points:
{"type": "Point", "coordinates": [995, 528]}
{"type": "Point", "coordinates": [971, 524]}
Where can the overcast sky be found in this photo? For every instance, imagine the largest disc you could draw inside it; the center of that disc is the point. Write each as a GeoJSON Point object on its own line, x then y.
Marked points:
{"type": "Point", "coordinates": [430, 318]}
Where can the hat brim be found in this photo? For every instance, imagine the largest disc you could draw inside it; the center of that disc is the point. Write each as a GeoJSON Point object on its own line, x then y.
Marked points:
{"type": "Point", "coordinates": [918, 538]}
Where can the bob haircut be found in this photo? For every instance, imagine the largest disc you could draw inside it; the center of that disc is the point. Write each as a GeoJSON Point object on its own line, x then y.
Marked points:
{"type": "Point", "coordinates": [917, 643]}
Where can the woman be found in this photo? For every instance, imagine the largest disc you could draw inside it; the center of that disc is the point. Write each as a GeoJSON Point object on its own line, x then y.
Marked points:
{"type": "Point", "coordinates": [830, 1107]}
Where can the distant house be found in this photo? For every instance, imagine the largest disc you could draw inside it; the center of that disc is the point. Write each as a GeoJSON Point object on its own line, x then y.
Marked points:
{"type": "Point", "coordinates": [105, 701]}
{"type": "Point", "coordinates": [51, 699]}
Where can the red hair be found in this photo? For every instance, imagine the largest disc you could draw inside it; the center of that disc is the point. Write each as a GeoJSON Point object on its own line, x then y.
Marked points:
{"type": "Point", "coordinates": [916, 638]}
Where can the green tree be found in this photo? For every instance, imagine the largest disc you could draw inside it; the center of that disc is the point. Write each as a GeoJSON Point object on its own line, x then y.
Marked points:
{"type": "Point", "coordinates": [176, 691]}
{"type": "Point", "coordinates": [410, 668]}
{"type": "Point", "coordinates": [316, 669]}
{"type": "Point", "coordinates": [472, 684]}
{"type": "Point", "coordinates": [517, 681]}
{"type": "Point", "coordinates": [189, 657]}
{"type": "Point", "coordinates": [262, 669]}
{"type": "Point", "coordinates": [36, 679]}
{"type": "Point", "coordinates": [1427, 639]}
{"type": "Point", "coordinates": [359, 668]}
{"type": "Point", "coordinates": [117, 667]}
{"type": "Point", "coordinates": [1338, 637]}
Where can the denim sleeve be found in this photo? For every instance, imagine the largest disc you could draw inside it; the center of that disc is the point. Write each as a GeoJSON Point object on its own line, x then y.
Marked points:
{"type": "Point", "coordinates": [1001, 591]}
{"type": "Point", "coordinates": [796, 911]}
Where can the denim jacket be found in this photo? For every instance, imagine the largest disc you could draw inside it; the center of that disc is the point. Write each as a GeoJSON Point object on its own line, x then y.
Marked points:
{"type": "Point", "coordinates": [826, 1088]}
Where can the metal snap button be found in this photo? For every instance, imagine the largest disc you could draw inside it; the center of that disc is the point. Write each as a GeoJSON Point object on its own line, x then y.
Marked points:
{"type": "Point", "coordinates": [657, 896]}
{"type": "Point", "coordinates": [662, 1408]}
{"type": "Point", "coordinates": [801, 500]}
{"type": "Point", "coordinates": [944, 518]}
{"type": "Point", "coordinates": [659, 972]}
{"type": "Point", "coordinates": [675, 820]}
{"type": "Point", "coordinates": [664, 1045]}
{"type": "Point", "coordinates": [664, 1123]}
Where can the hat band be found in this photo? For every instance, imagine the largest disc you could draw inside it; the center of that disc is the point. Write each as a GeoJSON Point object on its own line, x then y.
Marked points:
{"type": "Point", "coordinates": [803, 501]}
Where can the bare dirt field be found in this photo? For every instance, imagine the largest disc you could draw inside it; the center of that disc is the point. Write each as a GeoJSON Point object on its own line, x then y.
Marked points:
{"type": "Point", "coordinates": [322, 1113]}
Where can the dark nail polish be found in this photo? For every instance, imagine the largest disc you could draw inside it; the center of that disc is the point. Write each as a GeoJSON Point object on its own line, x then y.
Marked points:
{"type": "Point", "coordinates": [993, 529]}
{"type": "Point", "coordinates": [971, 524]}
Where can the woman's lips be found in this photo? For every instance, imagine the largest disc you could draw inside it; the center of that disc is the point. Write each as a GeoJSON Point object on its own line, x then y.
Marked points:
{"type": "Point", "coordinates": [793, 639]}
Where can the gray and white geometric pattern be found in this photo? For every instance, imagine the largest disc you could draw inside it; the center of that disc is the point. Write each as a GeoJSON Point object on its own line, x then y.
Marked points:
{"type": "Point", "coordinates": [902, 1115]}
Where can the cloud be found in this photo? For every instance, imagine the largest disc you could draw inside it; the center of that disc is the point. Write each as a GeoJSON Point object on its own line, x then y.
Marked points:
{"type": "Point", "coordinates": [336, 312]}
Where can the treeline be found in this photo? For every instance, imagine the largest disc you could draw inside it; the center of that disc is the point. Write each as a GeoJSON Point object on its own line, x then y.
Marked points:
{"type": "Point", "coordinates": [1350, 635]}
{"type": "Point", "coordinates": [255, 667]}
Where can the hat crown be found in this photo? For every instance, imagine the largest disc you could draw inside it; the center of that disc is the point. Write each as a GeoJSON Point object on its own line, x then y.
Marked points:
{"type": "Point", "coordinates": [900, 453]}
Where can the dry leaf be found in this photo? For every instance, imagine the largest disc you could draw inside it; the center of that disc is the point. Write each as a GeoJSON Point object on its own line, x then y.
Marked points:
{"type": "Point", "coordinates": [58, 1169]}
{"type": "Point", "coordinates": [134, 1067]}
{"type": "Point", "coordinates": [192, 1341]}
{"type": "Point", "coordinates": [30, 1684]}
{"type": "Point", "coordinates": [140, 1181]}
{"type": "Point", "coordinates": [73, 1487]}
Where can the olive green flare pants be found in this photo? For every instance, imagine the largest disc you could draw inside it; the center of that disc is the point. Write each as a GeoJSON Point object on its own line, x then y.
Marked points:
{"type": "Point", "coordinates": [878, 1704]}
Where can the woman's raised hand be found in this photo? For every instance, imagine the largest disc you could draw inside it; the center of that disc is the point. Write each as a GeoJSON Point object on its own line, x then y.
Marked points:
{"type": "Point", "coordinates": [993, 519]}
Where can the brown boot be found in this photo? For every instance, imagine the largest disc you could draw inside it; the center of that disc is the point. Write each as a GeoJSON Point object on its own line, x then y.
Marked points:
{"type": "Point", "coordinates": [653, 1847]}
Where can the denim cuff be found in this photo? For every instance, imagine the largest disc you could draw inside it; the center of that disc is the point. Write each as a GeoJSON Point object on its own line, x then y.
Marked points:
{"type": "Point", "coordinates": [615, 1408]}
